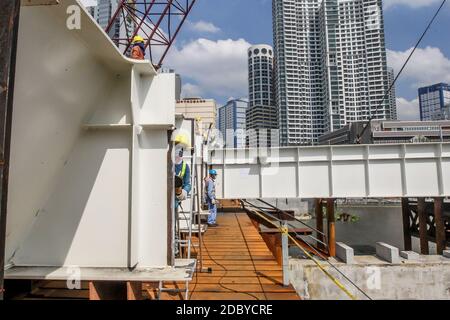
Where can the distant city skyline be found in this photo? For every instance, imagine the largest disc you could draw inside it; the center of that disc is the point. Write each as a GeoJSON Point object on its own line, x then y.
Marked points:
{"type": "Point", "coordinates": [218, 33]}
{"type": "Point", "coordinates": [200, 42]}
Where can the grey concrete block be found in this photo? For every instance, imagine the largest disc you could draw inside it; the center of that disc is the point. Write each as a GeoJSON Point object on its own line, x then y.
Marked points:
{"type": "Point", "coordinates": [409, 255]}
{"type": "Point", "coordinates": [344, 252]}
{"type": "Point", "coordinates": [387, 252]}
{"type": "Point", "coordinates": [446, 253]}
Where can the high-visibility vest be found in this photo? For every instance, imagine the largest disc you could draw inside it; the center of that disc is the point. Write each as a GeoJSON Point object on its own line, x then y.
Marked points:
{"type": "Point", "coordinates": [183, 170]}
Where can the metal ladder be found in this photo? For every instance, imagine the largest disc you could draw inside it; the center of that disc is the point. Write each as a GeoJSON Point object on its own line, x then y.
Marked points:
{"type": "Point", "coordinates": [185, 226]}
{"type": "Point", "coordinates": [193, 217]}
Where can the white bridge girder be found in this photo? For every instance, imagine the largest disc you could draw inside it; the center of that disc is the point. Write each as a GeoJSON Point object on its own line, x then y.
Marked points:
{"type": "Point", "coordinates": [89, 176]}
{"type": "Point", "coordinates": [351, 171]}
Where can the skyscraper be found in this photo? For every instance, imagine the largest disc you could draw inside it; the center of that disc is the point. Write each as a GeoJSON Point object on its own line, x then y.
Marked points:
{"type": "Point", "coordinates": [434, 102]}
{"type": "Point", "coordinates": [231, 123]}
{"type": "Point", "coordinates": [261, 113]}
{"type": "Point", "coordinates": [330, 66]}
{"type": "Point", "coordinates": [392, 94]}
{"type": "Point", "coordinates": [106, 9]}
{"type": "Point", "coordinates": [103, 11]}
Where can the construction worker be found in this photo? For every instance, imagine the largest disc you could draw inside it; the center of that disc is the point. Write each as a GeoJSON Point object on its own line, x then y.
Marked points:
{"type": "Point", "coordinates": [182, 169]}
{"type": "Point", "coordinates": [210, 197]}
{"type": "Point", "coordinates": [138, 48]}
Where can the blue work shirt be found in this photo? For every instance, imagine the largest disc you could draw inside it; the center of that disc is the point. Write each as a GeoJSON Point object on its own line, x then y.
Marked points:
{"type": "Point", "coordinates": [210, 189]}
{"type": "Point", "coordinates": [187, 176]}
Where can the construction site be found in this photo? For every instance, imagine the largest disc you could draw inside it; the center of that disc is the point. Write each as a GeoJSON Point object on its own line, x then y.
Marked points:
{"type": "Point", "coordinates": [89, 207]}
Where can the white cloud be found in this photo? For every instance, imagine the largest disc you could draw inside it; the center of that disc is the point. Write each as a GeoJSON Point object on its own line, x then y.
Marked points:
{"type": "Point", "coordinates": [409, 3]}
{"type": "Point", "coordinates": [408, 110]}
{"type": "Point", "coordinates": [190, 90]}
{"type": "Point", "coordinates": [203, 26]}
{"type": "Point", "coordinates": [427, 66]}
{"type": "Point", "coordinates": [217, 67]}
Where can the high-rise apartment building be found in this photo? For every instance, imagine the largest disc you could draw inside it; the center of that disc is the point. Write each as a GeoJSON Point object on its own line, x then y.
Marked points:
{"type": "Point", "coordinates": [103, 11]}
{"type": "Point", "coordinates": [231, 123]}
{"type": "Point", "coordinates": [434, 102]}
{"type": "Point", "coordinates": [330, 66]}
{"type": "Point", "coordinates": [261, 113]}
{"type": "Point", "coordinates": [392, 94]}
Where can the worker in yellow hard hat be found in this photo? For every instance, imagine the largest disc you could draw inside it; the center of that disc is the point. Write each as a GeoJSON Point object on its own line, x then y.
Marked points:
{"type": "Point", "coordinates": [183, 184]}
{"type": "Point", "coordinates": [138, 48]}
{"type": "Point", "coordinates": [182, 169]}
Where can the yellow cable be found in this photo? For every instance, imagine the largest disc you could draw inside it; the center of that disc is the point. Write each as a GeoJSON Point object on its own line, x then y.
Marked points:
{"type": "Point", "coordinates": [285, 230]}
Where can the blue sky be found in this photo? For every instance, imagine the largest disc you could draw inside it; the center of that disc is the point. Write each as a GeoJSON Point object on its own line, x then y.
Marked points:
{"type": "Point", "coordinates": [210, 50]}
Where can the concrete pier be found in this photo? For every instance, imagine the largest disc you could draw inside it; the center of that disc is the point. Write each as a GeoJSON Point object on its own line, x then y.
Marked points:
{"type": "Point", "coordinates": [426, 278]}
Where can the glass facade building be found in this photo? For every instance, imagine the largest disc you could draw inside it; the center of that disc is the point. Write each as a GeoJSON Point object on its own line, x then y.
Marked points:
{"type": "Point", "coordinates": [434, 102]}
{"type": "Point", "coordinates": [231, 123]}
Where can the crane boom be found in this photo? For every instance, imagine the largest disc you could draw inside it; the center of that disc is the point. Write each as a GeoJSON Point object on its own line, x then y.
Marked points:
{"type": "Point", "coordinates": [157, 21]}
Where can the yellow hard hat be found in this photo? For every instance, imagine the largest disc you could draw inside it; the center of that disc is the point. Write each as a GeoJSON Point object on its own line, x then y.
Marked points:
{"type": "Point", "coordinates": [182, 139]}
{"type": "Point", "coordinates": [138, 39]}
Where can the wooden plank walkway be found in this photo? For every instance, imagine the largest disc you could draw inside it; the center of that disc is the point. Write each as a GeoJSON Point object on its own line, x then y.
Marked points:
{"type": "Point", "coordinates": [243, 267]}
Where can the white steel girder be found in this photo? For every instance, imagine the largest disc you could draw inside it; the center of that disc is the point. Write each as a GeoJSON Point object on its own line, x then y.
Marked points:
{"type": "Point", "coordinates": [351, 171]}
{"type": "Point", "coordinates": [89, 175]}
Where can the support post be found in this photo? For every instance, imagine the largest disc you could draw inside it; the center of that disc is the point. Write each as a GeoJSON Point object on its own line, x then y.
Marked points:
{"type": "Point", "coordinates": [331, 228]}
{"type": "Point", "coordinates": [134, 290]}
{"type": "Point", "coordinates": [319, 222]}
{"type": "Point", "coordinates": [285, 254]}
{"type": "Point", "coordinates": [107, 290]}
{"type": "Point", "coordinates": [440, 226]}
{"type": "Point", "coordinates": [407, 240]}
{"type": "Point", "coordinates": [421, 211]}
{"type": "Point", "coordinates": [9, 27]}
{"type": "Point", "coordinates": [171, 211]}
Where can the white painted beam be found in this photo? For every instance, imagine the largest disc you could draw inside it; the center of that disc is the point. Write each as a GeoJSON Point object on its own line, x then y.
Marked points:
{"type": "Point", "coordinates": [352, 171]}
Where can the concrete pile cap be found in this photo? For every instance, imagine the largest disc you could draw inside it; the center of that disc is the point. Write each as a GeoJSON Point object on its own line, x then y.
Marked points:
{"type": "Point", "coordinates": [387, 252]}
{"type": "Point", "coordinates": [344, 252]}
{"type": "Point", "coordinates": [409, 255]}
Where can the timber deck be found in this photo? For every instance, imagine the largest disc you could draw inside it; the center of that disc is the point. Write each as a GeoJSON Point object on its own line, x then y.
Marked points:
{"type": "Point", "coordinates": [243, 268]}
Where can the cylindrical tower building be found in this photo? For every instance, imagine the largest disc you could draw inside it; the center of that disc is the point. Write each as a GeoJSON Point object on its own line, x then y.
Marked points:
{"type": "Point", "coordinates": [260, 75]}
{"type": "Point", "coordinates": [261, 113]}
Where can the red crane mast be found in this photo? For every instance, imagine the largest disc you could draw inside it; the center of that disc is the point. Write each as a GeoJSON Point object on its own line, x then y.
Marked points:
{"type": "Point", "coordinates": [157, 21]}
